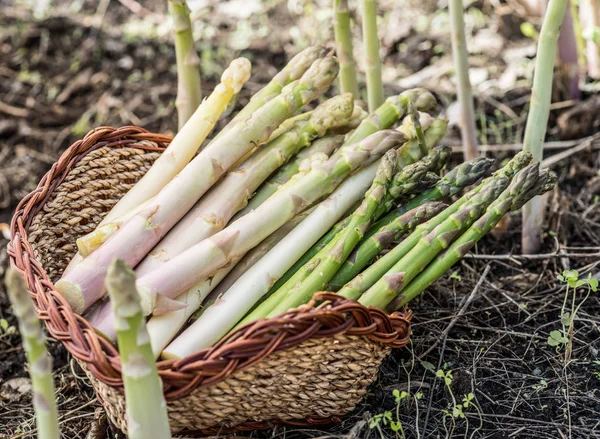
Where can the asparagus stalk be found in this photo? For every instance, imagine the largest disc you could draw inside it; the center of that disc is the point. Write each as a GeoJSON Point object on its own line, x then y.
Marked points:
{"type": "Point", "coordinates": [203, 259]}
{"type": "Point", "coordinates": [411, 151]}
{"type": "Point", "coordinates": [428, 245]}
{"type": "Point", "coordinates": [344, 49]}
{"type": "Point", "coordinates": [539, 112]}
{"type": "Point", "coordinates": [174, 158]}
{"type": "Point", "coordinates": [83, 285]}
{"type": "Point", "coordinates": [372, 59]}
{"type": "Point", "coordinates": [189, 93]}
{"type": "Point", "coordinates": [212, 213]}
{"type": "Point", "coordinates": [162, 329]}
{"type": "Point", "coordinates": [325, 145]}
{"type": "Point", "coordinates": [518, 193]}
{"type": "Point", "coordinates": [293, 71]}
{"type": "Point", "coordinates": [463, 83]}
{"type": "Point", "coordinates": [415, 178]}
{"type": "Point", "coordinates": [316, 273]}
{"type": "Point", "coordinates": [144, 401]}
{"type": "Point", "coordinates": [589, 14]}
{"type": "Point", "coordinates": [40, 362]}
{"type": "Point", "coordinates": [361, 283]}
{"type": "Point", "coordinates": [220, 317]}
{"type": "Point", "coordinates": [451, 184]}
{"type": "Point", "coordinates": [393, 109]}
{"type": "Point", "coordinates": [370, 248]}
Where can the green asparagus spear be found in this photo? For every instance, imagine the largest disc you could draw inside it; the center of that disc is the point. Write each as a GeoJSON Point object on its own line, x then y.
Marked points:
{"type": "Point", "coordinates": [519, 192]}
{"type": "Point", "coordinates": [429, 245]}
{"type": "Point", "coordinates": [451, 184]}
{"type": "Point", "coordinates": [40, 362]}
{"type": "Point", "coordinates": [371, 247]}
{"type": "Point", "coordinates": [462, 210]}
{"type": "Point", "coordinates": [144, 401]}
{"type": "Point", "coordinates": [316, 275]}
{"type": "Point", "coordinates": [394, 108]}
{"type": "Point", "coordinates": [410, 153]}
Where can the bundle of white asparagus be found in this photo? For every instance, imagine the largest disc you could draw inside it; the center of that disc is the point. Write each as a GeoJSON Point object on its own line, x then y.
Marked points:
{"type": "Point", "coordinates": [286, 201]}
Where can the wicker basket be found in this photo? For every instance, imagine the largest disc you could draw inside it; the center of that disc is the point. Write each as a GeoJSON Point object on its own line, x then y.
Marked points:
{"type": "Point", "coordinates": [309, 366]}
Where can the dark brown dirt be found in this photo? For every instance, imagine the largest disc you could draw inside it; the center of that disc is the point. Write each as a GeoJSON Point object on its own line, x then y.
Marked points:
{"type": "Point", "coordinates": [70, 72]}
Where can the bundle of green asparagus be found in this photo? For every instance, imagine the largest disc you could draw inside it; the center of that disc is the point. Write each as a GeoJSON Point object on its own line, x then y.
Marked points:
{"type": "Point", "coordinates": [283, 203]}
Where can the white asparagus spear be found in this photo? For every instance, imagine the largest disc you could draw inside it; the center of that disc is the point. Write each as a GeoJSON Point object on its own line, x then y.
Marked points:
{"type": "Point", "coordinates": [203, 259]}
{"type": "Point", "coordinates": [177, 155]}
{"type": "Point", "coordinates": [83, 285]}
{"type": "Point", "coordinates": [223, 315]}
{"type": "Point", "coordinates": [216, 208]}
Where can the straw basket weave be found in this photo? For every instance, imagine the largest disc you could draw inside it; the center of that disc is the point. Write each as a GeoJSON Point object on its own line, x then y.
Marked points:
{"type": "Point", "coordinates": [307, 367]}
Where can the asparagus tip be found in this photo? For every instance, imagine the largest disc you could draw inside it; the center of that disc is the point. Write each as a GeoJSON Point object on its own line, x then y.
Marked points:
{"type": "Point", "coordinates": [237, 74]}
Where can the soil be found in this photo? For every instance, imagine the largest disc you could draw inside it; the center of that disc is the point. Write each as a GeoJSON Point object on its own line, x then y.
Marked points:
{"type": "Point", "coordinates": [88, 64]}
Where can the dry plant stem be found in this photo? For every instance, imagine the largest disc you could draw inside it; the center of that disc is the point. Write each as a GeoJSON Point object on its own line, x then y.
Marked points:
{"type": "Point", "coordinates": [429, 245]}
{"type": "Point", "coordinates": [174, 159]}
{"type": "Point", "coordinates": [203, 259]}
{"type": "Point", "coordinates": [162, 329]}
{"type": "Point", "coordinates": [344, 49]}
{"type": "Point", "coordinates": [189, 93]}
{"type": "Point", "coordinates": [83, 285]}
{"type": "Point", "coordinates": [463, 83]}
{"type": "Point", "coordinates": [218, 319]}
{"type": "Point", "coordinates": [212, 213]}
{"type": "Point", "coordinates": [539, 111]}
{"type": "Point", "coordinates": [327, 145]}
{"type": "Point", "coordinates": [293, 71]}
{"type": "Point", "coordinates": [317, 272]}
{"type": "Point", "coordinates": [524, 186]}
{"type": "Point", "coordinates": [589, 13]}
{"type": "Point", "coordinates": [40, 362]}
{"type": "Point", "coordinates": [144, 401]}
{"type": "Point", "coordinates": [375, 93]}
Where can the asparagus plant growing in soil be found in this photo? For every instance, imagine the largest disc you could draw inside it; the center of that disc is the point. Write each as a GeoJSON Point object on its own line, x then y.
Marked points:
{"type": "Point", "coordinates": [389, 228]}
{"type": "Point", "coordinates": [177, 155]}
{"type": "Point", "coordinates": [216, 208]}
{"type": "Point", "coordinates": [412, 151]}
{"type": "Point", "coordinates": [39, 360]}
{"type": "Point", "coordinates": [372, 59]}
{"type": "Point", "coordinates": [539, 111]}
{"type": "Point", "coordinates": [343, 47]}
{"type": "Point", "coordinates": [365, 280]}
{"type": "Point", "coordinates": [527, 184]}
{"type": "Point", "coordinates": [326, 145]}
{"type": "Point", "coordinates": [463, 83]}
{"type": "Point", "coordinates": [83, 285]}
{"type": "Point", "coordinates": [230, 307]}
{"type": "Point", "coordinates": [189, 93]}
{"type": "Point", "coordinates": [200, 261]}
{"type": "Point", "coordinates": [162, 329]}
{"type": "Point", "coordinates": [427, 246]}
{"type": "Point", "coordinates": [144, 401]}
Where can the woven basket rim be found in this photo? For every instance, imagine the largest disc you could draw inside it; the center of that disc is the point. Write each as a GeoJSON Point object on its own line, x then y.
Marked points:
{"type": "Point", "coordinates": [239, 350]}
